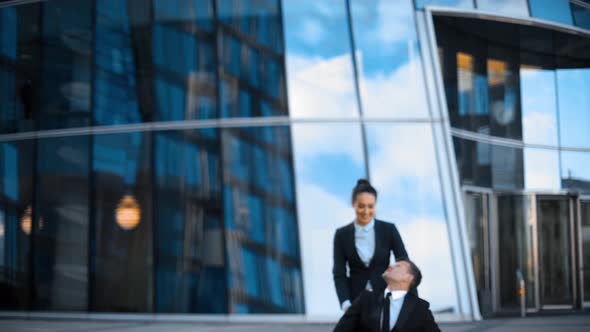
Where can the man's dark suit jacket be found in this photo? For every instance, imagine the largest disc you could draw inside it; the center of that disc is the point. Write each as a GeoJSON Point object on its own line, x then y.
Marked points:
{"type": "Point", "coordinates": [365, 315]}
{"type": "Point", "coordinates": [387, 238]}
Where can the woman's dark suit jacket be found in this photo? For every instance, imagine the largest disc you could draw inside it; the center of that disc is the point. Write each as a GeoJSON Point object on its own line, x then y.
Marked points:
{"type": "Point", "coordinates": [387, 239]}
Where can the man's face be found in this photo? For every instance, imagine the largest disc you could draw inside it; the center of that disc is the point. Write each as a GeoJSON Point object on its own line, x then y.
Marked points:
{"type": "Point", "coordinates": [398, 272]}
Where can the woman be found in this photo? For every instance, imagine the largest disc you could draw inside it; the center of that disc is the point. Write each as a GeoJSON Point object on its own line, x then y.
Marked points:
{"type": "Point", "coordinates": [365, 244]}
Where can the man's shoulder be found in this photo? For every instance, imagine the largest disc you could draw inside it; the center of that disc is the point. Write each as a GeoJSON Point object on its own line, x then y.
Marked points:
{"type": "Point", "coordinates": [420, 301]}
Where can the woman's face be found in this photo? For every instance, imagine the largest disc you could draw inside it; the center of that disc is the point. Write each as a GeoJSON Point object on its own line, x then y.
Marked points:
{"type": "Point", "coordinates": [364, 207]}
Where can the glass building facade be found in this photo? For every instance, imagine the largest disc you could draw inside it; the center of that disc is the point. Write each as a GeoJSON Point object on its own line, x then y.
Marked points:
{"type": "Point", "coordinates": [197, 156]}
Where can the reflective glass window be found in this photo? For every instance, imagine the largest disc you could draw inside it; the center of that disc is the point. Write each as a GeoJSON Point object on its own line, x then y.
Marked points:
{"type": "Point", "coordinates": [8, 32]}
{"type": "Point", "coordinates": [575, 174]}
{"type": "Point", "coordinates": [388, 59]}
{"type": "Point", "coordinates": [581, 15]}
{"type": "Point", "coordinates": [508, 7]}
{"type": "Point", "coordinates": [189, 250]}
{"type": "Point", "coordinates": [260, 218]}
{"type": "Point", "coordinates": [504, 93]}
{"type": "Point", "coordinates": [121, 261]}
{"type": "Point", "coordinates": [61, 237]}
{"type": "Point", "coordinates": [507, 168]}
{"type": "Point", "coordinates": [446, 3]}
{"type": "Point", "coordinates": [16, 223]}
{"type": "Point", "coordinates": [115, 76]}
{"type": "Point", "coordinates": [319, 59]}
{"type": "Point", "coordinates": [573, 87]}
{"type": "Point", "coordinates": [541, 169]}
{"type": "Point", "coordinates": [553, 10]}
{"type": "Point", "coordinates": [258, 19]}
{"type": "Point", "coordinates": [539, 105]}
{"type": "Point", "coordinates": [328, 162]}
{"type": "Point", "coordinates": [410, 196]}
{"type": "Point", "coordinates": [474, 162]}
{"type": "Point", "coordinates": [190, 13]}
{"type": "Point", "coordinates": [19, 70]}
{"type": "Point", "coordinates": [250, 58]}
{"type": "Point", "coordinates": [65, 87]}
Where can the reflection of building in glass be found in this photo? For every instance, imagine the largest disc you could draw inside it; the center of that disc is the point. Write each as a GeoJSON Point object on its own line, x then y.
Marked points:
{"type": "Point", "coordinates": [196, 156]}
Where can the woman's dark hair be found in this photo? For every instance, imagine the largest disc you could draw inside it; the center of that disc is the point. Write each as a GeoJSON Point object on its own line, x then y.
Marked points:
{"type": "Point", "coordinates": [363, 186]}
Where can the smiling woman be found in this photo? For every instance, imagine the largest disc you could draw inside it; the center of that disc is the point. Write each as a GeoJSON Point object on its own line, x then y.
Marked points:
{"type": "Point", "coordinates": [365, 245]}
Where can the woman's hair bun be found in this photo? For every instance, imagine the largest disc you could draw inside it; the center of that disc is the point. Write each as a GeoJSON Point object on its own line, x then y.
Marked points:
{"type": "Point", "coordinates": [361, 182]}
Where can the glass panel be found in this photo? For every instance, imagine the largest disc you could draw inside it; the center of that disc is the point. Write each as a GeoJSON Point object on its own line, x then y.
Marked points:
{"type": "Point", "coordinates": [328, 162]}
{"type": "Point", "coordinates": [259, 19]}
{"type": "Point", "coordinates": [581, 16]}
{"type": "Point", "coordinates": [16, 183]}
{"type": "Point", "coordinates": [472, 94]}
{"type": "Point", "coordinates": [115, 77]}
{"type": "Point", "coordinates": [388, 59]}
{"type": "Point", "coordinates": [476, 217]}
{"type": "Point", "coordinates": [61, 242]}
{"type": "Point", "coordinates": [260, 218]}
{"type": "Point", "coordinates": [508, 7]}
{"type": "Point", "coordinates": [19, 68]}
{"type": "Point", "coordinates": [553, 10]}
{"type": "Point", "coordinates": [504, 93]}
{"type": "Point", "coordinates": [65, 65]}
{"type": "Point", "coordinates": [318, 58]}
{"type": "Point", "coordinates": [507, 168]}
{"type": "Point", "coordinates": [474, 162]}
{"type": "Point", "coordinates": [251, 59]}
{"type": "Point", "coordinates": [450, 3]}
{"type": "Point", "coordinates": [539, 114]}
{"type": "Point", "coordinates": [585, 216]}
{"type": "Point", "coordinates": [121, 260]}
{"type": "Point", "coordinates": [184, 60]}
{"type": "Point", "coordinates": [189, 251]}
{"type": "Point", "coordinates": [574, 117]}
{"type": "Point", "coordinates": [575, 173]}
{"type": "Point", "coordinates": [515, 249]}
{"type": "Point", "coordinates": [541, 169]}
{"type": "Point", "coordinates": [555, 253]}
{"type": "Point", "coordinates": [410, 196]}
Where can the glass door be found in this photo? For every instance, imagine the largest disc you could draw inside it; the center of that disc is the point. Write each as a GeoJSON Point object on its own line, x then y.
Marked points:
{"type": "Point", "coordinates": [585, 246]}
{"type": "Point", "coordinates": [555, 226]}
{"type": "Point", "coordinates": [477, 219]}
{"type": "Point", "coordinates": [516, 250]}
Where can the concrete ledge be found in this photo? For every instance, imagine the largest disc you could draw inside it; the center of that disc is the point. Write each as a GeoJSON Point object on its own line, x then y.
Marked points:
{"type": "Point", "coordinates": [198, 318]}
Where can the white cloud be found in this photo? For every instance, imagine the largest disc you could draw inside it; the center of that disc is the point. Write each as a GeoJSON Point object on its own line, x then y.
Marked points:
{"type": "Point", "coordinates": [539, 106]}
{"type": "Point", "coordinates": [312, 31]}
{"type": "Point", "coordinates": [541, 169]}
{"type": "Point", "coordinates": [427, 243]}
{"type": "Point", "coordinates": [317, 140]}
{"type": "Point", "coordinates": [402, 153]}
{"type": "Point", "coordinates": [321, 87]}
{"type": "Point", "coordinates": [399, 93]}
{"type": "Point", "coordinates": [320, 214]}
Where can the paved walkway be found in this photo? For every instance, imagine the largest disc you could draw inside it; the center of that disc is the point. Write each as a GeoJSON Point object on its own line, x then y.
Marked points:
{"type": "Point", "coordinates": [575, 323]}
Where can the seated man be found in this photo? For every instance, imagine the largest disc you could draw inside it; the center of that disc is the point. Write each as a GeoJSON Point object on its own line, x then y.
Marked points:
{"type": "Point", "coordinates": [395, 309]}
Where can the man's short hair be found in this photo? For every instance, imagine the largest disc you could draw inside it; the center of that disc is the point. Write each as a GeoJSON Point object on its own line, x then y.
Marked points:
{"type": "Point", "coordinates": [415, 272]}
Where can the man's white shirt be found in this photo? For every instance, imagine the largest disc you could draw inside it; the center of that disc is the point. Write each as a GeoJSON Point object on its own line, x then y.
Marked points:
{"type": "Point", "coordinates": [395, 305]}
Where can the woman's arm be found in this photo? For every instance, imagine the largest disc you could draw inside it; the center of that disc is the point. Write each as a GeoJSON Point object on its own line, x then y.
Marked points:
{"type": "Point", "coordinates": [397, 245]}
{"type": "Point", "coordinates": [339, 270]}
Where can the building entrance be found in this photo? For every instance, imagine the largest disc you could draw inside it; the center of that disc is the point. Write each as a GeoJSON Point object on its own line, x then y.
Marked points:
{"type": "Point", "coordinates": [543, 239]}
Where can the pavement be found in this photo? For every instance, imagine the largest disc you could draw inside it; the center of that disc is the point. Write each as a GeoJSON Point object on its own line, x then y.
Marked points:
{"type": "Point", "coordinates": [573, 323]}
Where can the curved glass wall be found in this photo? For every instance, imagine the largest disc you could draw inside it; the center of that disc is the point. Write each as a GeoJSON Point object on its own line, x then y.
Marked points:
{"type": "Point", "coordinates": [134, 219]}
{"type": "Point", "coordinates": [523, 84]}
